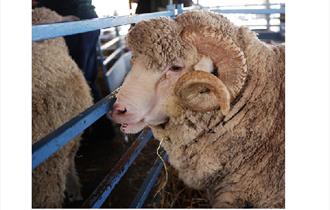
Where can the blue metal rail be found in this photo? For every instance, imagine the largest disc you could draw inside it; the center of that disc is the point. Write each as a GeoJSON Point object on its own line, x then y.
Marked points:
{"type": "Point", "coordinates": [270, 36]}
{"type": "Point", "coordinates": [48, 31]}
{"type": "Point", "coordinates": [102, 192]}
{"type": "Point", "coordinates": [249, 11]}
{"type": "Point", "coordinates": [254, 5]}
{"type": "Point", "coordinates": [148, 183]}
{"type": "Point", "coordinates": [110, 43]}
{"type": "Point", "coordinates": [53, 142]}
{"type": "Point", "coordinates": [113, 55]}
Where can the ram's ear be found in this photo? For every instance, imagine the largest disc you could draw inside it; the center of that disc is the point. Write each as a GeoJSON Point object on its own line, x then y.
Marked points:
{"type": "Point", "coordinates": [201, 91]}
{"type": "Point", "coordinates": [204, 64]}
{"type": "Point", "coordinates": [213, 43]}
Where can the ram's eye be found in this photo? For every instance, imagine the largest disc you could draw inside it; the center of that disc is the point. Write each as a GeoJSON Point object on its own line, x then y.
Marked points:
{"type": "Point", "coordinates": [176, 68]}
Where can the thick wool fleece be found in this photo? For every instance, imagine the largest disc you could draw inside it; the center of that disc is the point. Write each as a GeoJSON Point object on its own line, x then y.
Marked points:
{"type": "Point", "coordinates": [42, 15]}
{"type": "Point", "coordinates": [237, 158]}
{"type": "Point", "coordinates": [59, 93]}
{"type": "Point", "coordinates": [161, 46]}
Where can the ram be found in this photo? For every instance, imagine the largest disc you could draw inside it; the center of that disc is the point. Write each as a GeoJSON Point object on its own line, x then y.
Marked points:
{"type": "Point", "coordinates": [213, 94]}
{"type": "Point", "coordinates": [59, 93]}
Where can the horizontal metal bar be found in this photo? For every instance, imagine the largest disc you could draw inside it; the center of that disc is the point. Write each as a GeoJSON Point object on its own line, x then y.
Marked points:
{"type": "Point", "coordinates": [110, 43]}
{"type": "Point", "coordinates": [53, 142]}
{"type": "Point", "coordinates": [148, 183]}
{"type": "Point", "coordinates": [264, 25]}
{"type": "Point", "coordinates": [47, 31]}
{"type": "Point", "coordinates": [270, 36]}
{"type": "Point", "coordinates": [102, 192]}
{"type": "Point", "coordinates": [249, 11]}
{"type": "Point", "coordinates": [253, 5]}
{"type": "Point", "coordinates": [191, 8]}
{"type": "Point", "coordinates": [113, 55]}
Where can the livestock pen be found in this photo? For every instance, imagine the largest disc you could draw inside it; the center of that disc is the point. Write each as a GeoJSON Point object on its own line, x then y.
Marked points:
{"type": "Point", "coordinates": [53, 142]}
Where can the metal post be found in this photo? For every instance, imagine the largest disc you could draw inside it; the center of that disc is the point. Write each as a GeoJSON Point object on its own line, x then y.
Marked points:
{"type": "Point", "coordinates": [118, 44]}
{"type": "Point", "coordinates": [267, 15]}
{"type": "Point", "coordinates": [171, 7]}
{"type": "Point", "coordinates": [100, 61]}
{"type": "Point", "coordinates": [282, 21]}
{"type": "Point", "coordinates": [179, 8]}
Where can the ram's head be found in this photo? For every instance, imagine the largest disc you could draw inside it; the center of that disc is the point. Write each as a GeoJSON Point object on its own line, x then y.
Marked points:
{"type": "Point", "coordinates": [194, 60]}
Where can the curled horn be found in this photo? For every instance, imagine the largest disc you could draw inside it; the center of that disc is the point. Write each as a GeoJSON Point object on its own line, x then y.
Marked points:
{"type": "Point", "coordinates": [211, 35]}
{"type": "Point", "coordinates": [202, 91]}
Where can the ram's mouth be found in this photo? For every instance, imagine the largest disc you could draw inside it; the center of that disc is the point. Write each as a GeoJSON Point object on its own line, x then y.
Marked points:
{"type": "Point", "coordinates": [132, 128]}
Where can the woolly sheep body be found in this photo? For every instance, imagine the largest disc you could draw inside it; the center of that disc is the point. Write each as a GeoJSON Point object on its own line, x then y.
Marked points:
{"type": "Point", "coordinates": [59, 93]}
{"type": "Point", "coordinates": [241, 153]}
{"type": "Point", "coordinates": [238, 158]}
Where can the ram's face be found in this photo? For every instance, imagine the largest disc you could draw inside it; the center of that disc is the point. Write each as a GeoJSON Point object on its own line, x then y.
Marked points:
{"type": "Point", "coordinates": [143, 96]}
{"type": "Point", "coordinates": [177, 58]}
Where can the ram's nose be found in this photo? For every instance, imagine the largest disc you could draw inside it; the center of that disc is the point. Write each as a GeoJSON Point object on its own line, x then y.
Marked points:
{"type": "Point", "coordinates": [117, 111]}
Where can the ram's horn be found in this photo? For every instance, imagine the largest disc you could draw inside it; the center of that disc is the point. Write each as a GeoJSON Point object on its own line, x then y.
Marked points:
{"type": "Point", "coordinates": [207, 35]}
{"type": "Point", "coordinates": [202, 91]}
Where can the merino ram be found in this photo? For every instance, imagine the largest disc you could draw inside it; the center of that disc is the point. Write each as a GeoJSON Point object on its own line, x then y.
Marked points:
{"type": "Point", "coordinates": [213, 93]}
{"type": "Point", "coordinates": [59, 93]}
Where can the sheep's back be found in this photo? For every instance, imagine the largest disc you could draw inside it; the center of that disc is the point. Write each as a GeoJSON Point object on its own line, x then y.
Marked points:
{"type": "Point", "coordinates": [59, 89]}
{"type": "Point", "coordinates": [59, 93]}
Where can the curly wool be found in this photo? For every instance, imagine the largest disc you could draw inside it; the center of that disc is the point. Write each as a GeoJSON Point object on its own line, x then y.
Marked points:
{"type": "Point", "coordinates": [204, 19]}
{"type": "Point", "coordinates": [161, 46]}
{"type": "Point", "coordinates": [59, 93]}
{"type": "Point", "coordinates": [43, 15]}
{"type": "Point", "coordinates": [237, 158]}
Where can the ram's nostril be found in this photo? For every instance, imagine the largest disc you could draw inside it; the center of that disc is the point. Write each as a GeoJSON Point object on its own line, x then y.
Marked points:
{"type": "Point", "coordinates": [119, 109]}
{"type": "Point", "coordinates": [123, 111]}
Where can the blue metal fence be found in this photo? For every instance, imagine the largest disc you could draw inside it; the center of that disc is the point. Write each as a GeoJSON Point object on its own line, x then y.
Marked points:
{"type": "Point", "coordinates": [50, 144]}
{"type": "Point", "coordinates": [249, 11]}
{"type": "Point", "coordinates": [148, 183]}
{"type": "Point", "coordinates": [101, 193]}
{"type": "Point", "coordinates": [47, 31]}
{"type": "Point", "coordinates": [53, 142]}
